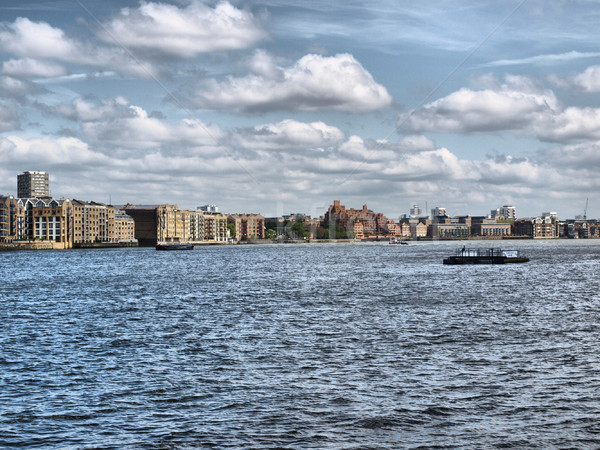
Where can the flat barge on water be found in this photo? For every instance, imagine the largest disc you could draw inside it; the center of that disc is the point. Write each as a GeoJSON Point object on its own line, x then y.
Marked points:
{"type": "Point", "coordinates": [485, 256]}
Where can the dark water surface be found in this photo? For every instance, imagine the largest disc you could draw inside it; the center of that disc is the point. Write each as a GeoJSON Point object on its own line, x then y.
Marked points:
{"type": "Point", "coordinates": [320, 345]}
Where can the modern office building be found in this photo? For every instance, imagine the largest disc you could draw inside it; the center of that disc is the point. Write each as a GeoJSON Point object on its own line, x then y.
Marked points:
{"type": "Point", "coordinates": [33, 185]}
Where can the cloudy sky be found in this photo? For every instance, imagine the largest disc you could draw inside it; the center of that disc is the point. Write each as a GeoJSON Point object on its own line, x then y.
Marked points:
{"type": "Point", "coordinates": [278, 107]}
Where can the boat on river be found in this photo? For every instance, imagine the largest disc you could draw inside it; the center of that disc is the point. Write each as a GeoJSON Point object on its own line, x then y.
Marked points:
{"type": "Point", "coordinates": [485, 256]}
{"type": "Point", "coordinates": [174, 246]}
{"type": "Point", "coordinates": [398, 241]}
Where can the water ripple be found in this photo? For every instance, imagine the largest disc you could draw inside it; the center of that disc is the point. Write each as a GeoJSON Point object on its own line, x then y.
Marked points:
{"type": "Point", "coordinates": [312, 346]}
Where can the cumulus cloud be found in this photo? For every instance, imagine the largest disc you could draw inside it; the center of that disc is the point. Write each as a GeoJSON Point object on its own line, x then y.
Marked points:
{"type": "Point", "coordinates": [589, 80]}
{"type": "Point", "coordinates": [572, 124]}
{"type": "Point", "coordinates": [488, 110]}
{"type": "Point", "coordinates": [584, 156]}
{"type": "Point", "coordinates": [137, 132]}
{"type": "Point", "coordinates": [86, 110]}
{"type": "Point", "coordinates": [289, 134]}
{"type": "Point", "coordinates": [37, 40]}
{"type": "Point", "coordinates": [30, 67]}
{"type": "Point", "coordinates": [18, 89]}
{"type": "Point", "coordinates": [162, 29]}
{"type": "Point", "coordinates": [49, 151]}
{"type": "Point", "coordinates": [42, 47]}
{"type": "Point", "coordinates": [313, 82]}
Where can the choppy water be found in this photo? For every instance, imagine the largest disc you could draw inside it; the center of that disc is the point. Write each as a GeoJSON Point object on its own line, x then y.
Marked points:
{"type": "Point", "coordinates": [321, 346]}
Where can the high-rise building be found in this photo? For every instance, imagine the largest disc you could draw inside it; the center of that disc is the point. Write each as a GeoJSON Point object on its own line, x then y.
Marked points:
{"type": "Point", "coordinates": [33, 185]}
{"type": "Point", "coordinates": [508, 212]}
{"type": "Point", "coordinates": [209, 208]}
{"type": "Point", "coordinates": [438, 212]}
{"type": "Point", "coordinates": [416, 211]}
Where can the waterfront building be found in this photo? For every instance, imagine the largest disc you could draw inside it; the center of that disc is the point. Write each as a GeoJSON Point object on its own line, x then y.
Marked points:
{"type": "Point", "coordinates": [481, 226]}
{"type": "Point", "coordinates": [451, 229]}
{"type": "Point", "coordinates": [373, 223]}
{"type": "Point", "coordinates": [93, 222]}
{"type": "Point", "coordinates": [124, 227]}
{"type": "Point", "coordinates": [547, 227]}
{"type": "Point", "coordinates": [162, 223]}
{"type": "Point", "coordinates": [395, 229]}
{"type": "Point", "coordinates": [12, 219]}
{"type": "Point", "coordinates": [33, 185]}
{"type": "Point", "coordinates": [248, 226]}
{"type": "Point", "coordinates": [50, 220]}
{"type": "Point", "coordinates": [414, 228]}
{"type": "Point", "coordinates": [358, 229]}
{"type": "Point", "coordinates": [215, 227]}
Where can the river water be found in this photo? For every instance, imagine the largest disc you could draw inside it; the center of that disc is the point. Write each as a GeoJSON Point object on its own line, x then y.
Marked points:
{"type": "Point", "coordinates": [300, 346]}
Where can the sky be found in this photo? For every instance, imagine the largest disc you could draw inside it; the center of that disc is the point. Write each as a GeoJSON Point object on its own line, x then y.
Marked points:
{"type": "Point", "coordinates": [280, 107]}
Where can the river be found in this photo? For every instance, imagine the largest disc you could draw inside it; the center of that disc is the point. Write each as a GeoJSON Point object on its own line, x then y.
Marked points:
{"type": "Point", "coordinates": [300, 346]}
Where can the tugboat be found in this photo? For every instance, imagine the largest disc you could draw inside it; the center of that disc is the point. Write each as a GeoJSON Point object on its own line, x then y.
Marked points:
{"type": "Point", "coordinates": [485, 256]}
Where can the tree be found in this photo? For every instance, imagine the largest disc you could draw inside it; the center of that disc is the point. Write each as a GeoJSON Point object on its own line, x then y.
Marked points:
{"type": "Point", "coordinates": [299, 229]}
{"type": "Point", "coordinates": [231, 227]}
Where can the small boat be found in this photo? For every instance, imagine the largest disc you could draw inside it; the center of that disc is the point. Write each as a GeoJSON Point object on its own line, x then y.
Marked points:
{"type": "Point", "coordinates": [174, 246]}
{"type": "Point", "coordinates": [396, 241]}
{"type": "Point", "coordinates": [485, 256]}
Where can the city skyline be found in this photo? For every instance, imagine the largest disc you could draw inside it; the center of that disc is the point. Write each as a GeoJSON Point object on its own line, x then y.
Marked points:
{"type": "Point", "coordinates": [275, 107]}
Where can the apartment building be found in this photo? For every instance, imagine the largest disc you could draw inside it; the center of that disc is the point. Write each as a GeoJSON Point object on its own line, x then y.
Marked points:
{"type": "Point", "coordinates": [169, 223]}
{"type": "Point", "coordinates": [538, 227]}
{"type": "Point", "coordinates": [48, 219]}
{"type": "Point", "coordinates": [373, 223]}
{"type": "Point", "coordinates": [93, 222]}
{"type": "Point", "coordinates": [124, 227]}
{"type": "Point", "coordinates": [33, 185]}
{"type": "Point", "coordinates": [215, 227]}
{"type": "Point", "coordinates": [251, 226]}
{"type": "Point", "coordinates": [12, 219]}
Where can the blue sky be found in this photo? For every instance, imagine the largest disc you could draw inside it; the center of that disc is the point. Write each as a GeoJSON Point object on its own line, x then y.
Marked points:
{"type": "Point", "coordinates": [280, 107]}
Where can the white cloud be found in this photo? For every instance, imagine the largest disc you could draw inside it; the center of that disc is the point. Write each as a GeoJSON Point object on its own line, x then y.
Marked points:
{"type": "Point", "coordinates": [572, 124]}
{"type": "Point", "coordinates": [290, 134]}
{"type": "Point", "coordinates": [468, 111]}
{"type": "Point", "coordinates": [314, 82]}
{"type": "Point", "coordinates": [159, 28]}
{"type": "Point", "coordinates": [86, 110]}
{"type": "Point", "coordinates": [49, 151]}
{"type": "Point", "coordinates": [40, 41]}
{"type": "Point", "coordinates": [14, 88]}
{"type": "Point", "coordinates": [543, 59]}
{"type": "Point", "coordinates": [589, 80]}
{"type": "Point", "coordinates": [37, 40]}
{"type": "Point", "coordinates": [29, 67]}
{"type": "Point", "coordinates": [137, 132]}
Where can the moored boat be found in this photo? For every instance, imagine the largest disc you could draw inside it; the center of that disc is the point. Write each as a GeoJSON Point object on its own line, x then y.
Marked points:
{"type": "Point", "coordinates": [174, 246]}
{"type": "Point", "coordinates": [485, 256]}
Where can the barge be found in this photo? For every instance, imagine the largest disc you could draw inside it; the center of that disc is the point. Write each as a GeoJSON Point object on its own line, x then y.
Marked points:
{"type": "Point", "coordinates": [485, 256]}
{"type": "Point", "coordinates": [174, 246]}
